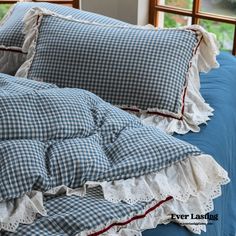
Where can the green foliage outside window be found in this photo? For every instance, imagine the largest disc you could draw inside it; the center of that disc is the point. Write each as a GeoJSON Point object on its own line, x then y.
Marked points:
{"type": "Point", "coordinates": [3, 9]}
{"type": "Point", "coordinates": [224, 32]}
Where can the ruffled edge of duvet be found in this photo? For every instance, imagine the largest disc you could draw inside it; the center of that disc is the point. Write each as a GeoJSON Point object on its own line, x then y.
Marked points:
{"type": "Point", "coordinates": [193, 111]}
{"type": "Point", "coordinates": [22, 210]}
{"type": "Point", "coordinates": [190, 177]}
{"type": "Point", "coordinates": [134, 224]}
{"type": "Point", "coordinates": [193, 183]}
{"type": "Point", "coordinates": [199, 180]}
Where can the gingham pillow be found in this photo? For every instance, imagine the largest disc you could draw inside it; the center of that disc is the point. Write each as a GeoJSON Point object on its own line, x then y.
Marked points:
{"type": "Point", "coordinates": [125, 66]}
{"type": "Point", "coordinates": [12, 38]}
{"type": "Point", "coordinates": [148, 71]}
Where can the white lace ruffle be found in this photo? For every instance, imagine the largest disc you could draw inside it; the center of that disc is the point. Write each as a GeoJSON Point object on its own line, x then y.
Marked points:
{"type": "Point", "coordinates": [22, 210]}
{"type": "Point", "coordinates": [193, 183]}
{"type": "Point", "coordinates": [11, 60]}
{"type": "Point", "coordinates": [196, 110]}
{"type": "Point", "coordinates": [193, 176]}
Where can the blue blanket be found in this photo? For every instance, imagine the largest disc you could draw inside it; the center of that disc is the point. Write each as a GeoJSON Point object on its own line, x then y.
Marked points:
{"type": "Point", "coordinates": [51, 137]}
{"type": "Point", "coordinates": [217, 138]}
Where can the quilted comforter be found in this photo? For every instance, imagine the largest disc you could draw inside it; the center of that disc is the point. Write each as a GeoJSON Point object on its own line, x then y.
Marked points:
{"type": "Point", "coordinates": [51, 137]}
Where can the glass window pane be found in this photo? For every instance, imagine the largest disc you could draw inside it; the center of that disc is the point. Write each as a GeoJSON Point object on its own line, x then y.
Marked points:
{"type": "Point", "coordinates": [222, 7]}
{"type": "Point", "coordinates": [173, 20]}
{"type": "Point", "coordinates": [224, 33]}
{"type": "Point", "coordinates": [4, 9]}
{"type": "Point", "coordinates": [186, 4]}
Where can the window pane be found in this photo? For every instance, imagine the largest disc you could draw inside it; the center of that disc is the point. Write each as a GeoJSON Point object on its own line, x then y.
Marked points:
{"type": "Point", "coordinates": [173, 20]}
{"type": "Point", "coordinates": [222, 7]}
{"type": "Point", "coordinates": [224, 33]}
{"type": "Point", "coordinates": [186, 4]}
{"type": "Point", "coordinates": [4, 9]}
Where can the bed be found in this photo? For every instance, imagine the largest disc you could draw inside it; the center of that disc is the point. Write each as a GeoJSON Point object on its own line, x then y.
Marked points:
{"type": "Point", "coordinates": [217, 138]}
{"type": "Point", "coordinates": [101, 213]}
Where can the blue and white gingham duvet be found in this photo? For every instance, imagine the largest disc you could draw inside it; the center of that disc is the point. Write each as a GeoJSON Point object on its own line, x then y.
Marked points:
{"type": "Point", "coordinates": [51, 137]}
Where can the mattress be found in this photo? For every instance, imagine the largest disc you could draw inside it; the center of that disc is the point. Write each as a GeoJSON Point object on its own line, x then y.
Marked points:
{"type": "Point", "coordinates": [217, 138]}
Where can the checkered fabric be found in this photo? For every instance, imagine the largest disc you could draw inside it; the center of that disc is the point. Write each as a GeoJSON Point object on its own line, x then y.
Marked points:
{"type": "Point", "coordinates": [68, 216]}
{"type": "Point", "coordinates": [10, 84]}
{"type": "Point", "coordinates": [11, 31]}
{"type": "Point", "coordinates": [123, 65]}
{"type": "Point", "coordinates": [52, 136]}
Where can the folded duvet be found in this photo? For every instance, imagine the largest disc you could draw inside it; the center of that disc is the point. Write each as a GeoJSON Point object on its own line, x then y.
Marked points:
{"type": "Point", "coordinates": [70, 143]}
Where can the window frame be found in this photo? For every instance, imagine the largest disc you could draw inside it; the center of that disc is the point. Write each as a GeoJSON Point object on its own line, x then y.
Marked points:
{"type": "Point", "coordinates": [155, 7]}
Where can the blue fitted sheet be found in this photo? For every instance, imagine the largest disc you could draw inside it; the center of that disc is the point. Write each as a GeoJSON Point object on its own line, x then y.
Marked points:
{"type": "Point", "coordinates": [217, 138]}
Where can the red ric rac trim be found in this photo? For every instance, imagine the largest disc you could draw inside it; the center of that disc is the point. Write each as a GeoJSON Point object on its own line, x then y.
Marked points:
{"type": "Point", "coordinates": [184, 91]}
{"type": "Point", "coordinates": [137, 217]}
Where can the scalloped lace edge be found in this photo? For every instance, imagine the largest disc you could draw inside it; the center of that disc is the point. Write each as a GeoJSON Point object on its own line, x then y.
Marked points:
{"type": "Point", "coordinates": [196, 110]}
{"type": "Point", "coordinates": [22, 210]}
{"type": "Point", "coordinates": [193, 183]}
{"type": "Point", "coordinates": [189, 177]}
{"type": "Point", "coordinates": [161, 215]}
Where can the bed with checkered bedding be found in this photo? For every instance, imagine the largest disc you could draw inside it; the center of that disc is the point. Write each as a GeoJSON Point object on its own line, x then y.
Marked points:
{"type": "Point", "coordinates": [52, 137]}
{"type": "Point", "coordinates": [56, 137]}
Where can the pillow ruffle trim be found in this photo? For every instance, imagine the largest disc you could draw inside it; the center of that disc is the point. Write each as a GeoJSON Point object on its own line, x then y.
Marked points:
{"type": "Point", "coordinates": [10, 58]}
{"type": "Point", "coordinates": [196, 110]}
{"type": "Point", "coordinates": [193, 183]}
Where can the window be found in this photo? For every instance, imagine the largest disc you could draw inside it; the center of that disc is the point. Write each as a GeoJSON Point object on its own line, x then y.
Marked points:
{"type": "Point", "coordinates": [217, 16]}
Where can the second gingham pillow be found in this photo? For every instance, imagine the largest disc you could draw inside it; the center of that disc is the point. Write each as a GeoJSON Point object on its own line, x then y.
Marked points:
{"type": "Point", "coordinates": [12, 38]}
{"type": "Point", "coordinates": [142, 70]}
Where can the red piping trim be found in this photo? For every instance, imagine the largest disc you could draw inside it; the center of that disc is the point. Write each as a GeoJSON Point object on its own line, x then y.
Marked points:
{"type": "Point", "coordinates": [184, 91]}
{"type": "Point", "coordinates": [182, 111]}
{"type": "Point", "coordinates": [132, 219]}
{"type": "Point", "coordinates": [37, 22]}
